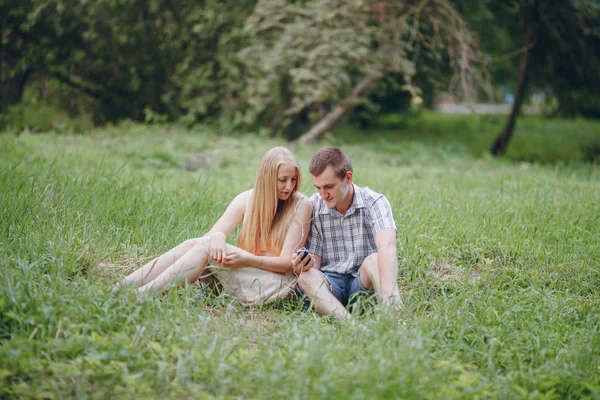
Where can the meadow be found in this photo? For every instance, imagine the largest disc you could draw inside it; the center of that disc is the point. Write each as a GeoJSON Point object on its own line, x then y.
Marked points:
{"type": "Point", "coordinates": [499, 267]}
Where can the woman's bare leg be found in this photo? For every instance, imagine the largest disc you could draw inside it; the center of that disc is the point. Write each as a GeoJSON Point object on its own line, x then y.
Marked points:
{"type": "Point", "coordinates": [154, 268]}
{"type": "Point", "coordinates": [186, 269]}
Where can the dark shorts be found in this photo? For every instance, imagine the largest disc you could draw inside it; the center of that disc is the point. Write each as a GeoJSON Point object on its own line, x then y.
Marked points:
{"type": "Point", "coordinates": [345, 287]}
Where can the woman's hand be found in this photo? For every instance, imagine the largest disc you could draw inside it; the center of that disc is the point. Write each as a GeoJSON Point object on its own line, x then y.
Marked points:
{"type": "Point", "coordinates": [235, 260]}
{"type": "Point", "coordinates": [217, 247]}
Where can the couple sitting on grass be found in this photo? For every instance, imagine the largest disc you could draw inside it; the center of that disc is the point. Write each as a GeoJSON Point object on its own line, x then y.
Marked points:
{"type": "Point", "coordinates": [349, 232]}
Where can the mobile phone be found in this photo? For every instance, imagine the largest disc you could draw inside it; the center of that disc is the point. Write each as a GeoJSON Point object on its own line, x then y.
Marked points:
{"type": "Point", "coordinates": [304, 251]}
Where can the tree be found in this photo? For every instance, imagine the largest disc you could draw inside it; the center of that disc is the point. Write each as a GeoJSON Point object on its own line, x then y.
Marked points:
{"type": "Point", "coordinates": [558, 50]}
{"type": "Point", "coordinates": [528, 11]}
{"type": "Point", "coordinates": [307, 59]}
{"type": "Point", "coordinates": [132, 57]}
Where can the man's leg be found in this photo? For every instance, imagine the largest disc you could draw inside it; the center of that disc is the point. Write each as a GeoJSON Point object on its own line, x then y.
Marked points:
{"type": "Point", "coordinates": [314, 285]}
{"type": "Point", "coordinates": [369, 278]}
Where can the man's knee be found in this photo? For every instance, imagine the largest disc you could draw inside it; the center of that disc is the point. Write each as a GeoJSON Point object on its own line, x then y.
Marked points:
{"type": "Point", "coordinates": [369, 271]}
{"type": "Point", "coordinates": [370, 263]}
{"type": "Point", "coordinates": [311, 279]}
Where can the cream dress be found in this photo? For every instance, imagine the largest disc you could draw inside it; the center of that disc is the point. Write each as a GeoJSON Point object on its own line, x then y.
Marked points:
{"type": "Point", "coordinates": [255, 286]}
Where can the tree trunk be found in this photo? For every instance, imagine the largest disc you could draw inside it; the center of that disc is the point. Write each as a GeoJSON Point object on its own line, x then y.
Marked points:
{"type": "Point", "coordinates": [14, 87]}
{"type": "Point", "coordinates": [335, 115]}
{"type": "Point", "coordinates": [527, 17]}
{"type": "Point", "coordinates": [284, 95]}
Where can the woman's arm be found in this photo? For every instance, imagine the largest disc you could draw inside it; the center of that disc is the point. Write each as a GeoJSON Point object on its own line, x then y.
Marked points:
{"type": "Point", "coordinates": [233, 215]}
{"type": "Point", "coordinates": [295, 238]}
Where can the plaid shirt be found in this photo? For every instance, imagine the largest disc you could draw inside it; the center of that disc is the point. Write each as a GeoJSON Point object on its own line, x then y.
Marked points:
{"type": "Point", "coordinates": [344, 241]}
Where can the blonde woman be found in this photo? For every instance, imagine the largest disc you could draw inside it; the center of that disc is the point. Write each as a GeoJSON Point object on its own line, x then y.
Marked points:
{"type": "Point", "coordinates": [274, 218]}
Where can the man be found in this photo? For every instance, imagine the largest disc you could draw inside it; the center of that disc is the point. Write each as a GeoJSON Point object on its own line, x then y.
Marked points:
{"type": "Point", "coordinates": [352, 241]}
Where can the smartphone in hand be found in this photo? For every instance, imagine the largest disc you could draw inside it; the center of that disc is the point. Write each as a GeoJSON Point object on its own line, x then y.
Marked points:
{"type": "Point", "coordinates": [303, 251]}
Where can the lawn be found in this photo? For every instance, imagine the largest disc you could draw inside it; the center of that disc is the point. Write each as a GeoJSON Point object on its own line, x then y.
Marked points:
{"type": "Point", "coordinates": [499, 267]}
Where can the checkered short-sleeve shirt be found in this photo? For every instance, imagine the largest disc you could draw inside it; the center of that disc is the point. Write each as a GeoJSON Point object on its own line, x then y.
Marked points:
{"type": "Point", "coordinates": [344, 241]}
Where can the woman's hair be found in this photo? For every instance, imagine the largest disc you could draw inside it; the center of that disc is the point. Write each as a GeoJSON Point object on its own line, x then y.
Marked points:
{"type": "Point", "coordinates": [330, 156]}
{"type": "Point", "coordinates": [270, 218]}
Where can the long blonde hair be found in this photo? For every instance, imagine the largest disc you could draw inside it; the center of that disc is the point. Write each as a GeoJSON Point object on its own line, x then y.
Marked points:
{"type": "Point", "coordinates": [270, 218]}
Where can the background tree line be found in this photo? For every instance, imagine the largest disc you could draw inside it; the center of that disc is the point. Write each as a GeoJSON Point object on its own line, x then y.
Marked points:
{"type": "Point", "coordinates": [287, 65]}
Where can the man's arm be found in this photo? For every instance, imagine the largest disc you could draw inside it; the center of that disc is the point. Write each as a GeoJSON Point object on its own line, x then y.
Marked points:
{"type": "Point", "coordinates": [387, 261]}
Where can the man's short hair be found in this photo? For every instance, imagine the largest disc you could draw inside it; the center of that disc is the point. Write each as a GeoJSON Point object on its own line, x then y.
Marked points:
{"type": "Point", "coordinates": [330, 156]}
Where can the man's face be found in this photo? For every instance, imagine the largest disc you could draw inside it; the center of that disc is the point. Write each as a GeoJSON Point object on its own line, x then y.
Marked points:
{"type": "Point", "coordinates": [333, 189]}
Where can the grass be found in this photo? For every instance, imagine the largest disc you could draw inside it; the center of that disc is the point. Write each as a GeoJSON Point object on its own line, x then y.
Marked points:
{"type": "Point", "coordinates": [499, 270]}
{"type": "Point", "coordinates": [535, 139]}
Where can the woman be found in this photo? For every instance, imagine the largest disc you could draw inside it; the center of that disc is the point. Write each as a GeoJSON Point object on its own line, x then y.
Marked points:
{"type": "Point", "coordinates": [274, 219]}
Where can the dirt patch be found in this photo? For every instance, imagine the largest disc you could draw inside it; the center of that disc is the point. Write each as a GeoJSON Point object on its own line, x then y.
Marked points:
{"type": "Point", "coordinates": [450, 270]}
{"type": "Point", "coordinates": [121, 267]}
{"type": "Point", "coordinates": [200, 160]}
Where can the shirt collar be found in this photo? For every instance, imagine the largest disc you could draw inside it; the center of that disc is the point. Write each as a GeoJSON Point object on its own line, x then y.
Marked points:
{"type": "Point", "coordinates": [357, 202]}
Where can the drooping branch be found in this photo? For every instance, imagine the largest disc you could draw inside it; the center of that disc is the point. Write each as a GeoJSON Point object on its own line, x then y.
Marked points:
{"type": "Point", "coordinates": [330, 120]}
{"type": "Point", "coordinates": [299, 108]}
{"type": "Point", "coordinates": [405, 34]}
{"type": "Point", "coordinates": [77, 85]}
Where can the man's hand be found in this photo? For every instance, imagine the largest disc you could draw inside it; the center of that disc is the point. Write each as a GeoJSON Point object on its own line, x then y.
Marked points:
{"type": "Point", "coordinates": [302, 262]}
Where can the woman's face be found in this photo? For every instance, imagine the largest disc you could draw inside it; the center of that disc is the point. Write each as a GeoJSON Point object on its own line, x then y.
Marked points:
{"type": "Point", "coordinates": [287, 177]}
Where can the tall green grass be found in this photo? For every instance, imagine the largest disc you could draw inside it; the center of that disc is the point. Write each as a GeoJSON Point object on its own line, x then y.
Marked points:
{"type": "Point", "coordinates": [499, 270]}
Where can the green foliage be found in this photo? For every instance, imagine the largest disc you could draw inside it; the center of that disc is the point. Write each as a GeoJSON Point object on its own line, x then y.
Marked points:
{"type": "Point", "coordinates": [564, 57]}
{"type": "Point", "coordinates": [567, 58]}
{"type": "Point", "coordinates": [208, 79]}
{"type": "Point", "coordinates": [313, 52]}
{"type": "Point", "coordinates": [498, 271]}
{"type": "Point", "coordinates": [304, 57]}
{"type": "Point", "coordinates": [389, 97]}
{"type": "Point", "coordinates": [128, 56]}
{"type": "Point", "coordinates": [268, 63]}
{"type": "Point", "coordinates": [43, 117]}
